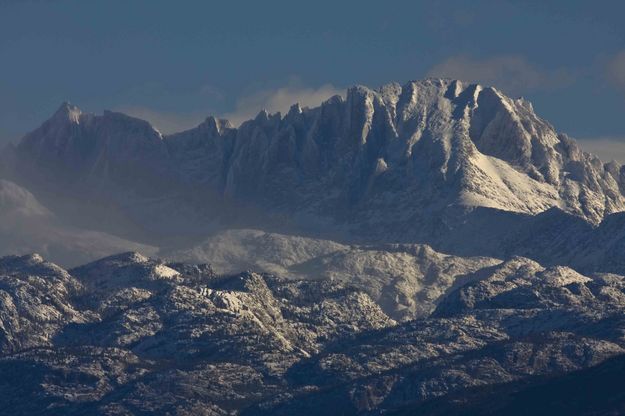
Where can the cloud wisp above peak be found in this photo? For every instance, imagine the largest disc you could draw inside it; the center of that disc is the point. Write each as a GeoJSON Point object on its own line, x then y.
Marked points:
{"type": "Point", "coordinates": [279, 99]}
{"type": "Point", "coordinates": [615, 70]}
{"type": "Point", "coordinates": [514, 74]}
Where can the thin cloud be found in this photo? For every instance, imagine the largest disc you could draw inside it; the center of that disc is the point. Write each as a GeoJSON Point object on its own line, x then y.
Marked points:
{"type": "Point", "coordinates": [605, 148]}
{"type": "Point", "coordinates": [211, 91]}
{"type": "Point", "coordinates": [246, 107]}
{"type": "Point", "coordinates": [513, 74]}
{"type": "Point", "coordinates": [281, 100]}
{"type": "Point", "coordinates": [615, 70]}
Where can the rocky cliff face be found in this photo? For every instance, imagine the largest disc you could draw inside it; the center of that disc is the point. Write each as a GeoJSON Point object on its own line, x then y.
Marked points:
{"type": "Point", "coordinates": [129, 335]}
{"type": "Point", "coordinates": [385, 159]}
{"type": "Point", "coordinates": [434, 241]}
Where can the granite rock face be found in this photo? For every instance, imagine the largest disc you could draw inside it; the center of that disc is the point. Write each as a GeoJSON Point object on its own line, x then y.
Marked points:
{"type": "Point", "coordinates": [379, 164]}
{"type": "Point", "coordinates": [132, 335]}
{"type": "Point", "coordinates": [409, 248]}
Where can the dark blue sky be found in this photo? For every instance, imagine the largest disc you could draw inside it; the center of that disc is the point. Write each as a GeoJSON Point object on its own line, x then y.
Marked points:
{"type": "Point", "coordinates": [176, 62]}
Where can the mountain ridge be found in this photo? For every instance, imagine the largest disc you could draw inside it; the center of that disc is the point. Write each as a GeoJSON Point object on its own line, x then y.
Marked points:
{"type": "Point", "coordinates": [432, 162]}
{"type": "Point", "coordinates": [130, 334]}
{"type": "Point", "coordinates": [478, 146]}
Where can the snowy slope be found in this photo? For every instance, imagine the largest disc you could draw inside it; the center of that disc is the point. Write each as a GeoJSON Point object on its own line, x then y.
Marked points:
{"type": "Point", "coordinates": [27, 226]}
{"type": "Point", "coordinates": [378, 165]}
{"type": "Point", "coordinates": [406, 280]}
{"type": "Point", "coordinates": [131, 335]}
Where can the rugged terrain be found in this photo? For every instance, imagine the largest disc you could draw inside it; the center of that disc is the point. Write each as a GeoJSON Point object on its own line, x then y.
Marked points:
{"type": "Point", "coordinates": [132, 335]}
{"type": "Point", "coordinates": [405, 163]}
{"type": "Point", "coordinates": [431, 247]}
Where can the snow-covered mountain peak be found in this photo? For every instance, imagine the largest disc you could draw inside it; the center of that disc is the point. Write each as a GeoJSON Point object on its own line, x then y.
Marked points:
{"type": "Point", "coordinates": [127, 257]}
{"type": "Point", "coordinates": [215, 126]}
{"type": "Point", "coordinates": [125, 270]}
{"type": "Point", "coordinates": [295, 109]}
{"type": "Point", "coordinates": [67, 112]}
{"type": "Point", "coordinates": [377, 160]}
{"type": "Point", "coordinates": [25, 260]}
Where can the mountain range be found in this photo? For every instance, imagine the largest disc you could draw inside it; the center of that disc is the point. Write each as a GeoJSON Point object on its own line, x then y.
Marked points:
{"type": "Point", "coordinates": [433, 162]}
{"type": "Point", "coordinates": [380, 253]}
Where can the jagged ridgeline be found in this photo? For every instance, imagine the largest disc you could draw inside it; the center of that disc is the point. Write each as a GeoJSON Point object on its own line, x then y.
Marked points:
{"type": "Point", "coordinates": [397, 163]}
{"type": "Point", "coordinates": [431, 247]}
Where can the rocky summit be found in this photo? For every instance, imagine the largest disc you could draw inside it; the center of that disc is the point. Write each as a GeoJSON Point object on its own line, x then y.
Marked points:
{"type": "Point", "coordinates": [432, 248]}
{"type": "Point", "coordinates": [434, 162]}
{"type": "Point", "coordinates": [390, 155]}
